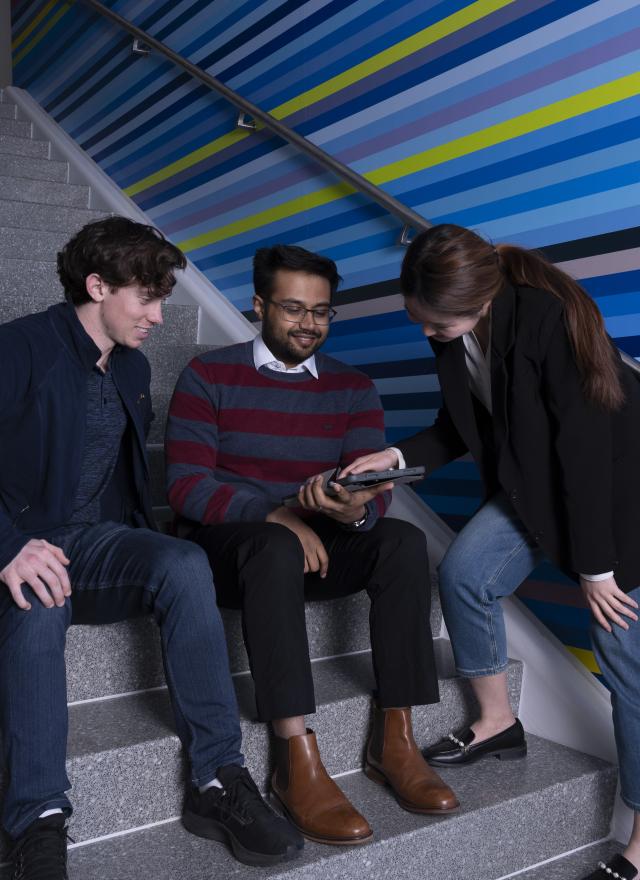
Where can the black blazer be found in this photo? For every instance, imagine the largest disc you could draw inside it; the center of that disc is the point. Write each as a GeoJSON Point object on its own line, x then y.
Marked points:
{"type": "Point", "coordinates": [570, 468]}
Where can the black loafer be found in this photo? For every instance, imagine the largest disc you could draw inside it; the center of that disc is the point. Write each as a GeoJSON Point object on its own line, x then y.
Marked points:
{"type": "Point", "coordinates": [458, 748]}
{"type": "Point", "coordinates": [617, 868]}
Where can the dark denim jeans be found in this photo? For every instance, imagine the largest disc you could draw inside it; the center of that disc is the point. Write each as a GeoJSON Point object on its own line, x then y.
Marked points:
{"type": "Point", "coordinates": [116, 572]}
{"type": "Point", "coordinates": [618, 655]}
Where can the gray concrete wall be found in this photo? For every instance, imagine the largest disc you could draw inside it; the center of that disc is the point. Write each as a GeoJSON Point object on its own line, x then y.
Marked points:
{"type": "Point", "coordinates": [5, 43]}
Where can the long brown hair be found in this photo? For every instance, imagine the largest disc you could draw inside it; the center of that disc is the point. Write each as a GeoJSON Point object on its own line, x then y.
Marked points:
{"type": "Point", "coordinates": [454, 271]}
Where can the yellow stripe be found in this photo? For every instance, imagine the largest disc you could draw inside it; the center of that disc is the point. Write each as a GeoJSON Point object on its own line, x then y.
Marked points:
{"type": "Point", "coordinates": [270, 215]}
{"type": "Point", "coordinates": [34, 24]}
{"type": "Point", "coordinates": [52, 21]}
{"type": "Point", "coordinates": [221, 143]}
{"type": "Point", "coordinates": [567, 108]}
{"type": "Point", "coordinates": [425, 37]}
{"type": "Point", "coordinates": [585, 657]}
{"type": "Point", "coordinates": [560, 111]}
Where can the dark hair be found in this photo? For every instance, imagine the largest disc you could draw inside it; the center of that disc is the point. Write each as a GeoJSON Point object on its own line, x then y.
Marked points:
{"type": "Point", "coordinates": [454, 271]}
{"type": "Point", "coordinates": [121, 252]}
{"type": "Point", "coordinates": [290, 258]}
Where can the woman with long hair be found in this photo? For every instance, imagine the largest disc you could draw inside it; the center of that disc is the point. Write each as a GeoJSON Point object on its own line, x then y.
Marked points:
{"type": "Point", "coordinates": [534, 389]}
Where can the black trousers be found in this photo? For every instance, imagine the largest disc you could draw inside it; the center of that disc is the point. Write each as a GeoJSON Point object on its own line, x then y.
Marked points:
{"type": "Point", "coordinates": [259, 567]}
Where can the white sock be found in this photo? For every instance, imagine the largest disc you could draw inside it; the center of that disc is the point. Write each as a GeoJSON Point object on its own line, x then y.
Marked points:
{"type": "Point", "coordinates": [49, 813]}
{"type": "Point", "coordinates": [215, 783]}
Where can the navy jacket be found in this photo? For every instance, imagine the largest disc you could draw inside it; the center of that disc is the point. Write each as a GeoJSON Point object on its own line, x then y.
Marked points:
{"type": "Point", "coordinates": [570, 469]}
{"type": "Point", "coordinates": [44, 362]}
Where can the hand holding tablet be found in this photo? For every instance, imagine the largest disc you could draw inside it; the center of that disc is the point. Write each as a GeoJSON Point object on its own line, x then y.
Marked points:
{"type": "Point", "coordinates": [368, 480]}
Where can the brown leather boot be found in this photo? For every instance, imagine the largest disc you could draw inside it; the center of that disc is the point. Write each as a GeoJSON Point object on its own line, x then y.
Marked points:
{"type": "Point", "coordinates": [310, 797]}
{"type": "Point", "coordinates": [393, 759]}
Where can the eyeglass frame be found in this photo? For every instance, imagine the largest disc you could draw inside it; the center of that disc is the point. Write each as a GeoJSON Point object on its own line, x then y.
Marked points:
{"type": "Point", "coordinates": [284, 306]}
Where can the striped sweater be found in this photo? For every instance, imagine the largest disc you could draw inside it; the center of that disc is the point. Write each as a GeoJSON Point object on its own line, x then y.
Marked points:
{"type": "Point", "coordinates": [239, 440]}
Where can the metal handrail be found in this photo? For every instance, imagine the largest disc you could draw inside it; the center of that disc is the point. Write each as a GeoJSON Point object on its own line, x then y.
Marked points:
{"type": "Point", "coordinates": [409, 218]}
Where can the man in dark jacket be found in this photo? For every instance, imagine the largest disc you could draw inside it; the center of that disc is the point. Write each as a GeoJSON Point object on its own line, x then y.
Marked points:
{"type": "Point", "coordinates": [78, 545]}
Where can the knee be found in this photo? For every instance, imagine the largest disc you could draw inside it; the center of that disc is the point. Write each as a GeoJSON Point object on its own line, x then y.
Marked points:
{"type": "Point", "coordinates": [403, 538]}
{"type": "Point", "coordinates": [40, 630]}
{"type": "Point", "coordinates": [455, 574]}
{"type": "Point", "coordinates": [276, 546]}
{"type": "Point", "coordinates": [182, 564]}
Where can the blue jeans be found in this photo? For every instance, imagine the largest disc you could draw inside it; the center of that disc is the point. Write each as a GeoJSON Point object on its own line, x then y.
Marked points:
{"type": "Point", "coordinates": [618, 655]}
{"type": "Point", "coordinates": [488, 559]}
{"type": "Point", "coordinates": [115, 572]}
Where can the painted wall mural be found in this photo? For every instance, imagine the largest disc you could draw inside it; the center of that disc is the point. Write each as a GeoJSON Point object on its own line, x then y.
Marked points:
{"type": "Point", "coordinates": [519, 118]}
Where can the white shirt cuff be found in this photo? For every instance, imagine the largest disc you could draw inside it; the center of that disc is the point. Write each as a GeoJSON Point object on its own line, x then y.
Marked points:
{"type": "Point", "coordinates": [597, 577]}
{"type": "Point", "coordinates": [401, 462]}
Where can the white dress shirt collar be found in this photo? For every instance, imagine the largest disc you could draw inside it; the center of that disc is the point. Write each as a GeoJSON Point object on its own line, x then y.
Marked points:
{"type": "Point", "coordinates": [262, 357]}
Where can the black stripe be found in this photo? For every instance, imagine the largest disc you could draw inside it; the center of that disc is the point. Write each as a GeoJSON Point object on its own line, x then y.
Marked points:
{"type": "Point", "coordinates": [608, 242]}
{"type": "Point", "coordinates": [393, 369]}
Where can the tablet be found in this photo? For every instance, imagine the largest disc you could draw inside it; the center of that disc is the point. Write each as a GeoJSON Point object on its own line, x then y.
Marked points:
{"type": "Point", "coordinates": [368, 480]}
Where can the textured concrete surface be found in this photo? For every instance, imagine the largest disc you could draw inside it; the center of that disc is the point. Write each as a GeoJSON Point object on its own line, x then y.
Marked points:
{"type": "Point", "coordinates": [20, 146]}
{"type": "Point", "coordinates": [14, 128]}
{"type": "Point", "coordinates": [27, 215]}
{"type": "Point", "coordinates": [563, 798]}
{"type": "Point", "coordinates": [124, 657]}
{"type": "Point", "coordinates": [31, 244]}
{"type": "Point", "coordinates": [44, 191]}
{"type": "Point", "coordinates": [575, 866]}
{"type": "Point", "coordinates": [7, 111]}
{"type": "Point", "coordinates": [125, 761]}
{"type": "Point", "coordinates": [38, 169]}
{"type": "Point", "coordinates": [168, 361]}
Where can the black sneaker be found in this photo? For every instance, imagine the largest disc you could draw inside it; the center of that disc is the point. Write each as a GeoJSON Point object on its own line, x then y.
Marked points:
{"type": "Point", "coordinates": [41, 852]}
{"type": "Point", "coordinates": [237, 815]}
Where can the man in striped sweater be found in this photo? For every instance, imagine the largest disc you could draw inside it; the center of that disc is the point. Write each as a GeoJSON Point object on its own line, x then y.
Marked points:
{"type": "Point", "coordinates": [249, 425]}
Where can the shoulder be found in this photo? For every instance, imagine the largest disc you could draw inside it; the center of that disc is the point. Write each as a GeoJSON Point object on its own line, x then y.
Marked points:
{"type": "Point", "coordinates": [538, 315]}
{"type": "Point", "coordinates": [538, 305]}
{"type": "Point", "coordinates": [221, 365]}
{"type": "Point", "coordinates": [31, 333]}
{"type": "Point", "coordinates": [345, 374]}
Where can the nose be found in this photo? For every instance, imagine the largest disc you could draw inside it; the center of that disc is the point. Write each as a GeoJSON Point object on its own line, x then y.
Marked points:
{"type": "Point", "coordinates": [308, 321]}
{"type": "Point", "coordinates": [155, 311]}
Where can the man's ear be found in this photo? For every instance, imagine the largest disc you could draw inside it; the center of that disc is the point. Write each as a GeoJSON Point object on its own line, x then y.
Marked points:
{"type": "Point", "coordinates": [96, 287]}
{"type": "Point", "coordinates": [258, 306]}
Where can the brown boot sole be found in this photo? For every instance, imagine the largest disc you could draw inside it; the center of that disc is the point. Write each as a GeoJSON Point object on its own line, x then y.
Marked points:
{"type": "Point", "coordinates": [329, 841]}
{"type": "Point", "coordinates": [376, 776]}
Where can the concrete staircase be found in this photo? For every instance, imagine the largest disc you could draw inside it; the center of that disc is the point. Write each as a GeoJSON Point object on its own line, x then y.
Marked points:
{"type": "Point", "coordinates": [124, 759]}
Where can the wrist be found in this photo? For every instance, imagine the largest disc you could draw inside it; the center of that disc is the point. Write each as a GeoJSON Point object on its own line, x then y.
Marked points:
{"type": "Point", "coordinates": [360, 520]}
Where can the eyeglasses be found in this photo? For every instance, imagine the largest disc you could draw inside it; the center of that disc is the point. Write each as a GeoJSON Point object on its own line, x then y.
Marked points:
{"type": "Point", "coordinates": [296, 314]}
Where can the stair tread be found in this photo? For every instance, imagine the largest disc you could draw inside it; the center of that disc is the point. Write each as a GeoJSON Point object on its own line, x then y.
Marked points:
{"type": "Point", "coordinates": [575, 865]}
{"type": "Point", "coordinates": [550, 774]}
{"type": "Point", "coordinates": [112, 723]}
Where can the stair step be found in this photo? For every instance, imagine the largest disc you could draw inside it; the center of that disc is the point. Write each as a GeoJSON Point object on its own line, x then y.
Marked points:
{"type": "Point", "coordinates": [576, 865]}
{"type": "Point", "coordinates": [14, 128]}
{"type": "Point", "coordinates": [37, 169]}
{"type": "Point", "coordinates": [28, 286]}
{"type": "Point", "coordinates": [31, 244]}
{"type": "Point", "coordinates": [568, 793]}
{"type": "Point", "coordinates": [30, 216]}
{"type": "Point", "coordinates": [20, 146]}
{"type": "Point", "coordinates": [168, 360]}
{"type": "Point", "coordinates": [127, 769]}
{"type": "Point", "coordinates": [124, 657]}
{"type": "Point", "coordinates": [179, 328]}
{"type": "Point", "coordinates": [70, 195]}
